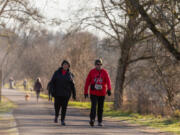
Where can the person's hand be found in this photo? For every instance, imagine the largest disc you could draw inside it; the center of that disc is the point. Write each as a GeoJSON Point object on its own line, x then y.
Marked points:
{"type": "Point", "coordinates": [86, 95]}
{"type": "Point", "coordinates": [109, 92]}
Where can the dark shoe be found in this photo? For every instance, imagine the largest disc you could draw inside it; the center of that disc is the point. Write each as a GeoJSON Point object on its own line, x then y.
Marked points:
{"type": "Point", "coordinates": [56, 120]}
{"type": "Point", "coordinates": [91, 123]}
{"type": "Point", "coordinates": [100, 124]}
{"type": "Point", "coordinates": [63, 123]}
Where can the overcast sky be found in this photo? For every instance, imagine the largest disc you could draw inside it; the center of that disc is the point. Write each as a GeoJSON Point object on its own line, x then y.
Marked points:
{"type": "Point", "coordinates": [64, 9]}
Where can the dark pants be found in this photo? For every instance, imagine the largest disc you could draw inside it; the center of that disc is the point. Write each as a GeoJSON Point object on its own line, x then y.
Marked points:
{"type": "Point", "coordinates": [50, 95]}
{"type": "Point", "coordinates": [37, 94]}
{"type": "Point", "coordinates": [61, 102]}
{"type": "Point", "coordinates": [99, 102]}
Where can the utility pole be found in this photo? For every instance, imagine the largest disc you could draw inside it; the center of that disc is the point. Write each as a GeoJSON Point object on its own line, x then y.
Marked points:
{"type": "Point", "coordinates": [0, 85]}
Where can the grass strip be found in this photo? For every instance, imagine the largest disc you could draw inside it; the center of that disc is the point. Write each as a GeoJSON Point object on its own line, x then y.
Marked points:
{"type": "Point", "coordinates": [6, 105]}
{"type": "Point", "coordinates": [165, 124]}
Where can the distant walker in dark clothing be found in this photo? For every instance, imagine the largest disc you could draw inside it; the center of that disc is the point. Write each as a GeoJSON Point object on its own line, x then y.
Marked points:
{"type": "Point", "coordinates": [25, 84]}
{"type": "Point", "coordinates": [38, 87]}
{"type": "Point", "coordinates": [61, 87]}
{"type": "Point", "coordinates": [49, 91]}
{"type": "Point", "coordinates": [11, 83]}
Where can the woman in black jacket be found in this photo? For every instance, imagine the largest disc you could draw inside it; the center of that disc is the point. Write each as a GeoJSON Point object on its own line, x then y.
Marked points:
{"type": "Point", "coordinates": [38, 87]}
{"type": "Point", "coordinates": [62, 86]}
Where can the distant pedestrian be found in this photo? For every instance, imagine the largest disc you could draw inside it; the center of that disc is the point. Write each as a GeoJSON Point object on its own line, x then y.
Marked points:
{"type": "Point", "coordinates": [11, 83]}
{"type": "Point", "coordinates": [14, 84]}
{"type": "Point", "coordinates": [97, 79]}
{"type": "Point", "coordinates": [25, 84]}
{"type": "Point", "coordinates": [38, 87]}
{"type": "Point", "coordinates": [61, 86]}
{"type": "Point", "coordinates": [49, 91]}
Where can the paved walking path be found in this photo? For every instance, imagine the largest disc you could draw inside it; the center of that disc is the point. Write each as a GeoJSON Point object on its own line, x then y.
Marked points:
{"type": "Point", "coordinates": [34, 118]}
{"type": "Point", "coordinates": [8, 124]}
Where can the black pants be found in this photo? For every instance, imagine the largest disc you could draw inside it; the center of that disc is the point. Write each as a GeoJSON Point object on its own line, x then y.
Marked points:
{"type": "Point", "coordinates": [61, 102]}
{"type": "Point", "coordinates": [99, 102]}
{"type": "Point", "coordinates": [37, 94]}
{"type": "Point", "coordinates": [49, 95]}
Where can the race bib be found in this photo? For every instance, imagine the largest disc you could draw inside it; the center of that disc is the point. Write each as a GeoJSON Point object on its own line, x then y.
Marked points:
{"type": "Point", "coordinates": [98, 86]}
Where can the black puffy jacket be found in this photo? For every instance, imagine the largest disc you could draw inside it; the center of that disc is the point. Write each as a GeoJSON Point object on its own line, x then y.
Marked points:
{"type": "Point", "coordinates": [62, 85]}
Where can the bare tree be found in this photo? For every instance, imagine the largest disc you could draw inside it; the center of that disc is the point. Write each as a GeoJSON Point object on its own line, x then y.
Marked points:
{"type": "Point", "coordinates": [126, 28]}
{"type": "Point", "coordinates": [152, 26]}
{"type": "Point", "coordinates": [19, 12]}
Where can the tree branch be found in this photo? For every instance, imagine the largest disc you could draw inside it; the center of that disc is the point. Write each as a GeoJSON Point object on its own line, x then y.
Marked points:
{"type": "Point", "coordinates": [152, 27]}
{"type": "Point", "coordinates": [110, 21]}
{"type": "Point", "coordinates": [140, 58]}
{"type": "Point", "coordinates": [4, 6]}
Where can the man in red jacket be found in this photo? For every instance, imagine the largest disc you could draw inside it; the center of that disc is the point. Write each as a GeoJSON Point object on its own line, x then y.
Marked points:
{"type": "Point", "coordinates": [98, 80]}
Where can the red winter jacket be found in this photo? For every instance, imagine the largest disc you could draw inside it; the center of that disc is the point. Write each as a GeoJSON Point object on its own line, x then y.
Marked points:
{"type": "Point", "coordinates": [101, 78]}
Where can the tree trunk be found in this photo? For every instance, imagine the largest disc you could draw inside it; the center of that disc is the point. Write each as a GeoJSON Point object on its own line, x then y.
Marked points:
{"type": "Point", "coordinates": [120, 78]}
{"type": "Point", "coordinates": [128, 43]}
